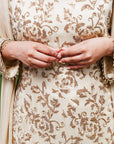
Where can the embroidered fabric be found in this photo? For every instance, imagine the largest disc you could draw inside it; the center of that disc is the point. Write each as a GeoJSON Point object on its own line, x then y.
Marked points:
{"type": "Point", "coordinates": [56, 105]}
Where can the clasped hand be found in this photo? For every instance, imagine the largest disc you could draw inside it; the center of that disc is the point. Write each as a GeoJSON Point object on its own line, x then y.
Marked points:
{"type": "Point", "coordinates": [84, 53]}
{"type": "Point", "coordinates": [37, 55]}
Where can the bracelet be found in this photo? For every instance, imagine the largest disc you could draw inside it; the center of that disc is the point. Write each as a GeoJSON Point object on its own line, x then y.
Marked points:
{"type": "Point", "coordinates": [1, 41]}
{"type": "Point", "coordinates": [4, 43]}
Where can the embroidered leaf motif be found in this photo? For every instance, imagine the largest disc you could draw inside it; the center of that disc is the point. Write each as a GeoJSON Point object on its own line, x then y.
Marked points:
{"type": "Point", "coordinates": [54, 91]}
{"type": "Point", "coordinates": [80, 25]}
{"type": "Point", "coordinates": [43, 104]}
{"type": "Point", "coordinates": [91, 137]}
{"type": "Point", "coordinates": [64, 90]}
{"type": "Point", "coordinates": [64, 115]}
{"type": "Point", "coordinates": [75, 101]}
{"type": "Point", "coordinates": [60, 95]}
{"type": "Point", "coordinates": [64, 135]}
{"type": "Point", "coordinates": [86, 7]}
{"type": "Point", "coordinates": [39, 98]}
{"type": "Point", "coordinates": [43, 86]}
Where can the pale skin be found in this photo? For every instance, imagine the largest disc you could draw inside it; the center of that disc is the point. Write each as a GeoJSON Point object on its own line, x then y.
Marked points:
{"type": "Point", "coordinates": [37, 55]}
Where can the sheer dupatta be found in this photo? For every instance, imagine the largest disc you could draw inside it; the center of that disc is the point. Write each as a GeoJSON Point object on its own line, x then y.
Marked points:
{"type": "Point", "coordinates": [8, 86]}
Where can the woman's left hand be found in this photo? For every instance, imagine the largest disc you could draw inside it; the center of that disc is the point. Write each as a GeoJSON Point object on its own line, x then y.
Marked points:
{"type": "Point", "coordinates": [85, 53]}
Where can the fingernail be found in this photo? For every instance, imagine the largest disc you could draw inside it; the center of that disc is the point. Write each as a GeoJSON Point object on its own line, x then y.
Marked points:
{"type": "Point", "coordinates": [60, 61]}
{"type": "Point", "coordinates": [59, 55]}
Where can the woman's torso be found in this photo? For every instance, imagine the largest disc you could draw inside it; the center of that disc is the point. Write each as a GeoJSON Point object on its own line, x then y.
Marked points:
{"type": "Point", "coordinates": [56, 105]}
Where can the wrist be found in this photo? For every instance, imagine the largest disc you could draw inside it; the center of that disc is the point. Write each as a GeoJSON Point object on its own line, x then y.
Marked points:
{"type": "Point", "coordinates": [7, 50]}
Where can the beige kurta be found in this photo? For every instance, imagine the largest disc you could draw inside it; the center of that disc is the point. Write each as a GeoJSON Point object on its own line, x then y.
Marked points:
{"type": "Point", "coordinates": [56, 105]}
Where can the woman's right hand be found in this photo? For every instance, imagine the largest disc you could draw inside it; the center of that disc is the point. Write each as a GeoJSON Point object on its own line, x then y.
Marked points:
{"type": "Point", "coordinates": [32, 54]}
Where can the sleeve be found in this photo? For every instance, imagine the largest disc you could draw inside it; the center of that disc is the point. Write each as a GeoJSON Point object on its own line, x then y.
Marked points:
{"type": "Point", "coordinates": [108, 62]}
{"type": "Point", "coordinates": [108, 69]}
{"type": "Point", "coordinates": [8, 68]}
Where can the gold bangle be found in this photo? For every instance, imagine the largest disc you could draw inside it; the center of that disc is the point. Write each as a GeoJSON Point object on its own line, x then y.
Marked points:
{"type": "Point", "coordinates": [4, 43]}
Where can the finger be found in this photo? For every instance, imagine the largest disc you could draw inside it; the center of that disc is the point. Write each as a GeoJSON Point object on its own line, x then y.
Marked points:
{"type": "Point", "coordinates": [43, 57]}
{"type": "Point", "coordinates": [46, 49]}
{"type": "Point", "coordinates": [77, 66]}
{"type": "Point", "coordinates": [82, 62]}
{"type": "Point", "coordinates": [38, 63]}
{"type": "Point", "coordinates": [71, 51]}
{"type": "Point", "coordinates": [73, 59]}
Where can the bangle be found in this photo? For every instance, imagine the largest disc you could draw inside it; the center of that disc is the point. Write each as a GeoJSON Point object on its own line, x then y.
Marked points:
{"type": "Point", "coordinates": [4, 43]}
{"type": "Point", "coordinates": [1, 41]}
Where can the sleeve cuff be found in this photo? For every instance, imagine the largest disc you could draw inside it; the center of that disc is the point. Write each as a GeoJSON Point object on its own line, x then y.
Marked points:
{"type": "Point", "coordinates": [108, 69]}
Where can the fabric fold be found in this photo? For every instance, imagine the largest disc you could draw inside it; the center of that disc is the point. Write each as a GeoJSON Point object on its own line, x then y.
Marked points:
{"type": "Point", "coordinates": [8, 85]}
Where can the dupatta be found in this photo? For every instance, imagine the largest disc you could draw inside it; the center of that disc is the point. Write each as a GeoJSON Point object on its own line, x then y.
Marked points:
{"type": "Point", "coordinates": [8, 86]}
